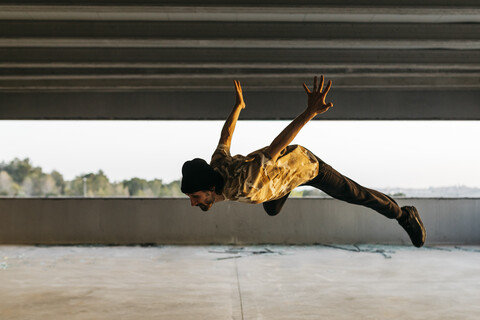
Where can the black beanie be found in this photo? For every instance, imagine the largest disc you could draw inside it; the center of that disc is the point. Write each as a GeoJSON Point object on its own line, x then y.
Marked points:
{"type": "Point", "coordinates": [198, 175]}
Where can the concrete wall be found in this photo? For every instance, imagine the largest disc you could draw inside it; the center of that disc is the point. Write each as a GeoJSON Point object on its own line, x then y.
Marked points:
{"type": "Point", "coordinates": [173, 221]}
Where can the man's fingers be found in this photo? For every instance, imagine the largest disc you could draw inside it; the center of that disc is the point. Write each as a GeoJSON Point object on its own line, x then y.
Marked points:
{"type": "Point", "coordinates": [238, 86]}
{"type": "Point", "coordinates": [321, 84]}
{"type": "Point", "coordinates": [306, 88]}
{"type": "Point", "coordinates": [317, 88]}
{"type": "Point", "coordinates": [327, 88]}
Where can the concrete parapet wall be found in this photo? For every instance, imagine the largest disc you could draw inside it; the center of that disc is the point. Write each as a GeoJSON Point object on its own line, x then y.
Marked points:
{"type": "Point", "coordinates": [174, 221]}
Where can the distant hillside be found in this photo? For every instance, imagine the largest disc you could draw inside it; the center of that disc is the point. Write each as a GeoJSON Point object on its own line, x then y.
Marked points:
{"type": "Point", "coordinates": [444, 192]}
{"type": "Point", "coordinates": [433, 192]}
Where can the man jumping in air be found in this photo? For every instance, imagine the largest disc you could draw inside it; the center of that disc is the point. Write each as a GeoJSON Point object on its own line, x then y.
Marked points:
{"type": "Point", "coordinates": [269, 175]}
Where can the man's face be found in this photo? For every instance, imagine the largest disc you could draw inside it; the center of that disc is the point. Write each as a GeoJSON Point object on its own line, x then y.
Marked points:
{"type": "Point", "coordinates": [202, 199]}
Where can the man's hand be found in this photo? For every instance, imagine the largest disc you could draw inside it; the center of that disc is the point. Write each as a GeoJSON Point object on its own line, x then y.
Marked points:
{"type": "Point", "coordinates": [316, 98]}
{"type": "Point", "coordinates": [230, 123]}
{"type": "Point", "coordinates": [239, 95]}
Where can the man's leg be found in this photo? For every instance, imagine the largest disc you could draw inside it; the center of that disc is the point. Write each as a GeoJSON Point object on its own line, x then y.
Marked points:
{"type": "Point", "coordinates": [340, 187]}
{"type": "Point", "coordinates": [273, 207]}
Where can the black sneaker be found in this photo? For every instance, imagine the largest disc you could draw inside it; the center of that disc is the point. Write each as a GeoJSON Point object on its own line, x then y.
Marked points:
{"type": "Point", "coordinates": [411, 222]}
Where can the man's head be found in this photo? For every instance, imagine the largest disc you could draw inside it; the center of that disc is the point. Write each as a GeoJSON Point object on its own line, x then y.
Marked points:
{"type": "Point", "coordinates": [200, 183]}
{"type": "Point", "coordinates": [202, 199]}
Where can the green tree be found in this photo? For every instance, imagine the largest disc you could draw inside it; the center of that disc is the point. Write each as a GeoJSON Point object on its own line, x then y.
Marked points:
{"type": "Point", "coordinates": [156, 186]}
{"type": "Point", "coordinates": [99, 185]}
{"type": "Point", "coordinates": [33, 182]}
{"type": "Point", "coordinates": [59, 181]}
{"type": "Point", "coordinates": [18, 169]}
{"type": "Point", "coordinates": [119, 190]}
{"type": "Point", "coordinates": [21, 178]}
{"type": "Point", "coordinates": [75, 187]}
{"type": "Point", "coordinates": [172, 189]}
{"type": "Point", "coordinates": [96, 185]}
{"type": "Point", "coordinates": [135, 186]}
{"type": "Point", "coordinates": [6, 184]}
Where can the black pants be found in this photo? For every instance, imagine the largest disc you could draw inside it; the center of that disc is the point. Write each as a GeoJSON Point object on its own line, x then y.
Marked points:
{"type": "Point", "coordinates": [342, 188]}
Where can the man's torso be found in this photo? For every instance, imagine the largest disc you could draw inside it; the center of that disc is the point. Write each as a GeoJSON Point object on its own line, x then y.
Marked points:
{"type": "Point", "coordinates": [255, 178]}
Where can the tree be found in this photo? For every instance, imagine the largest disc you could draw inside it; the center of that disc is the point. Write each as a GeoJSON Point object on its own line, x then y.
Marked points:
{"type": "Point", "coordinates": [99, 185]}
{"type": "Point", "coordinates": [75, 187]}
{"type": "Point", "coordinates": [6, 183]}
{"type": "Point", "coordinates": [135, 186]}
{"type": "Point", "coordinates": [21, 178]}
{"type": "Point", "coordinates": [59, 181]}
{"type": "Point", "coordinates": [96, 184]}
{"type": "Point", "coordinates": [156, 186]}
{"type": "Point", "coordinates": [19, 169]}
{"type": "Point", "coordinates": [172, 189]}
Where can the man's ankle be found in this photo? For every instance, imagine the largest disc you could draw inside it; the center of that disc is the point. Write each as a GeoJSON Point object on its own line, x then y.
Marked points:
{"type": "Point", "coordinates": [402, 215]}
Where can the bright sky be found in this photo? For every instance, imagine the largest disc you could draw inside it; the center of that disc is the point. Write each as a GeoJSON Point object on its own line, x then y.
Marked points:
{"type": "Point", "coordinates": [415, 154]}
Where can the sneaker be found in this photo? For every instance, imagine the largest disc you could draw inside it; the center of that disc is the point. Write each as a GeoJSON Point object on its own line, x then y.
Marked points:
{"type": "Point", "coordinates": [411, 222]}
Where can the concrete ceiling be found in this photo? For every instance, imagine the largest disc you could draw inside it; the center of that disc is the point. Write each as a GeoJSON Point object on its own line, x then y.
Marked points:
{"type": "Point", "coordinates": [176, 60]}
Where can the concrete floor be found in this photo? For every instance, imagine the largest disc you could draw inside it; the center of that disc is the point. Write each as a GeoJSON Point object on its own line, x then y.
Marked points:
{"type": "Point", "coordinates": [223, 282]}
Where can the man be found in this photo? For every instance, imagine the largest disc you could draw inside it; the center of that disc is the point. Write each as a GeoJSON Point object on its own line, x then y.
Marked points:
{"type": "Point", "coordinates": [269, 175]}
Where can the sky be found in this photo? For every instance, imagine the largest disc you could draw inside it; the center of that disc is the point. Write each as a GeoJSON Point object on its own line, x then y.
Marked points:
{"type": "Point", "coordinates": [408, 154]}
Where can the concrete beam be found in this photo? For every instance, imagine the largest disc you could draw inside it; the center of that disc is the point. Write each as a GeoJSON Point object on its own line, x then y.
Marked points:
{"type": "Point", "coordinates": [24, 31]}
{"type": "Point", "coordinates": [215, 105]}
{"type": "Point", "coordinates": [275, 82]}
{"type": "Point", "coordinates": [424, 11]}
{"type": "Point", "coordinates": [249, 43]}
{"type": "Point", "coordinates": [103, 60]}
{"type": "Point", "coordinates": [237, 55]}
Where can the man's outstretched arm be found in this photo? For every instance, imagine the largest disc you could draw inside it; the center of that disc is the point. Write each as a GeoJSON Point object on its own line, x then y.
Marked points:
{"type": "Point", "coordinates": [229, 126]}
{"type": "Point", "coordinates": [316, 105]}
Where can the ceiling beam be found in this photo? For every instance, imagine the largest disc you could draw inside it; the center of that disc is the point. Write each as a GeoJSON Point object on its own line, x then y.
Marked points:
{"type": "Point", "coordinates": [261, 105]}
{"type": "Point", "coordinates": [433, 11]}
{"type": "Point", "coordinates": [153, 59]}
